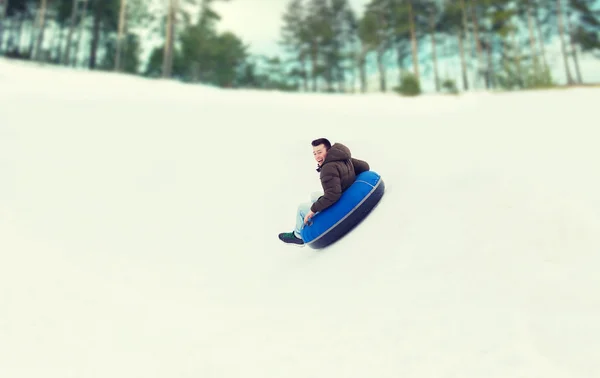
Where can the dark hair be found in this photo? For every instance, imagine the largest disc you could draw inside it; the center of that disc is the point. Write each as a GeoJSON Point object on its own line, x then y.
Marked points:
{"type": "Point", "coordinates": [319, 141]}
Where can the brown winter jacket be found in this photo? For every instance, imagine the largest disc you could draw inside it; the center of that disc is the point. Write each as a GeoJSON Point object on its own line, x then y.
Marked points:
{"type": "Point", "coordinates": [337, 173]}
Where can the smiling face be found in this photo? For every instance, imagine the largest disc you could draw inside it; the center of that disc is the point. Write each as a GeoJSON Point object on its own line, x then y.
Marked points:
{"type": "Point", "coordinates": [320, 153]}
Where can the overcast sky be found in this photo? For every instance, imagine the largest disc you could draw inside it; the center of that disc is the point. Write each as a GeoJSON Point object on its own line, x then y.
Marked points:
{"type": "Point", "coordinates": [258, 22]}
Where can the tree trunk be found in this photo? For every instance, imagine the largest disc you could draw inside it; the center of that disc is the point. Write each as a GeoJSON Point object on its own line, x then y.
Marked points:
{"type": "Point", "coordinates": [480, 59]}
{"type": "Point", "coordinates": [536, 20]}
{"type": "Point", "coordinates": [534, 54]}
{"type": "Point", "coordinates": [465, 28]}
{"type": "Point", "coordinates": [41, 25]}
{"type": "Point", "coordinates": [362, 62]}
{"type": "Point", "coordinates": [436, 76]}
{"type": "Point", "coordinates": [413, 40]}
{"type": "Point", "coordinates": [304, 71]}
{"type": "Point", "coordinates": [119, 51]}
{"type": "Point", "coordinates": [573, 49]}
{"type": "Point", "coordinates": [400, 56]}
{"type": "Point", "coordinates": [463, 63]}
{"type": "Point", "coordinates": [16, 28]}
{"type": "Point", "coordinates": [329, 75]}
{"type": "Point", "coordinates": [314, 55]}
{"type": "Point", "coordinates": [491, 78]}
{"type": "Point", "coordinates": [3, 20]}
{"type": "Point", "coordinates": [80, 31]}
{"type": "Point", "coordinates": [10, 42]}
{"type": "Point", "coordinates": [381, 69]}
{"type": "Point", "coordinates": [561, 33]}
{"type": "Point", "coordinates": [353, 67]}
{"type": "Point", "coordinates": [32, 39]}
{"type": "Point", "coordinates": [341, 77]}
{"type": "Point", "coordinates": [169, 40]}
{"type": "Point", "coordinates": [517, 49]}
{"type": "Point", "coordinates": [363, 76]}
{"type": "Point", "coordinates": [98, 13]}
{"type": "Point", "coordinates": [67, 51]}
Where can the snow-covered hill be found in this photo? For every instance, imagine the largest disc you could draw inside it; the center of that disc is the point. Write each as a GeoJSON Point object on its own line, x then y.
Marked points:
{"type": "Point", "coordinates": [139, 222]}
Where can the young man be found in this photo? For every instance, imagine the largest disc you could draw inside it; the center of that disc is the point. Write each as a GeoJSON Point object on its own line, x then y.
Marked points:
{"type": "Point", "coordinates": [338, 170]}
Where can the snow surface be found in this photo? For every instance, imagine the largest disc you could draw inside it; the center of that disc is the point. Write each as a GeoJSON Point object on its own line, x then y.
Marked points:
{"type": "Point", "coordinates": [139, 221]}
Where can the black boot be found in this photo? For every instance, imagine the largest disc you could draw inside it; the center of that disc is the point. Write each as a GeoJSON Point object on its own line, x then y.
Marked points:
{"type": "Point", "coordinates": [290, 237]}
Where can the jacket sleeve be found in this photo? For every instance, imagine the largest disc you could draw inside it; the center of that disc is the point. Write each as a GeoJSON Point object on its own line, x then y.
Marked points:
{"type": "Point", "coordinates": [360, 166]}
{"type": "Point", "coordinates": [332, 189]}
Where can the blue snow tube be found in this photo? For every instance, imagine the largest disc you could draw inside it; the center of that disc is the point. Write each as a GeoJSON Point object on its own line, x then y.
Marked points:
{"type": "Point", "coordinates": [340, 218]}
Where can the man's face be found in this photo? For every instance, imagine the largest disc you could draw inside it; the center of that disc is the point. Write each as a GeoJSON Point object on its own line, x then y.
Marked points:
{"type": "Point", "coordinates": [320, 152]}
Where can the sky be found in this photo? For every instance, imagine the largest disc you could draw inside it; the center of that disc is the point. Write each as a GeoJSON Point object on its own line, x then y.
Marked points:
{"type": "Point", "coordinates": [139, 222]}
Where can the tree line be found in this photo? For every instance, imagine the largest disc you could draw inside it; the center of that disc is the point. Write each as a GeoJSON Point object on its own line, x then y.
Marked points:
{"type": "Point", "coordinates": [500, 43]}
{"type": "Point", "coordinates": [326, 45]}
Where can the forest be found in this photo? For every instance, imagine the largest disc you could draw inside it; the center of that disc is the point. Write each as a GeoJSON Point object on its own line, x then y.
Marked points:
{"type": "Point", "coordinates": [326, 46]}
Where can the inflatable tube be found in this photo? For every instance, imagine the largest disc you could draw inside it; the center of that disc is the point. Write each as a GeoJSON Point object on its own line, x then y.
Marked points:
{"type": "Point", "coordinates": [340, 218]}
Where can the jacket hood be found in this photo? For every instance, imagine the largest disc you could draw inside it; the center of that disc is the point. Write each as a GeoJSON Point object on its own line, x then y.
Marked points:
{"type": "Point", "coordinates": [337, 152]}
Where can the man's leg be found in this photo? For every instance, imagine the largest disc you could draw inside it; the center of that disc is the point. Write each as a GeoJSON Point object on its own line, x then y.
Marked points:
{"type": "Point", "coordinates": [303, 209]}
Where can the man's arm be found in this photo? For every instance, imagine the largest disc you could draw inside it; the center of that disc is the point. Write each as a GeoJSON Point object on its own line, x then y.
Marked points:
{"type": "Point", "coordinates": [332, 189]}
{"type": "Point", "coordinates": [360, 166]}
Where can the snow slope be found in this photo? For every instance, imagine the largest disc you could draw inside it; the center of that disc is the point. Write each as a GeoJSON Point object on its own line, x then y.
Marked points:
{"type": "Point", "coordinates": [139, 221]}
